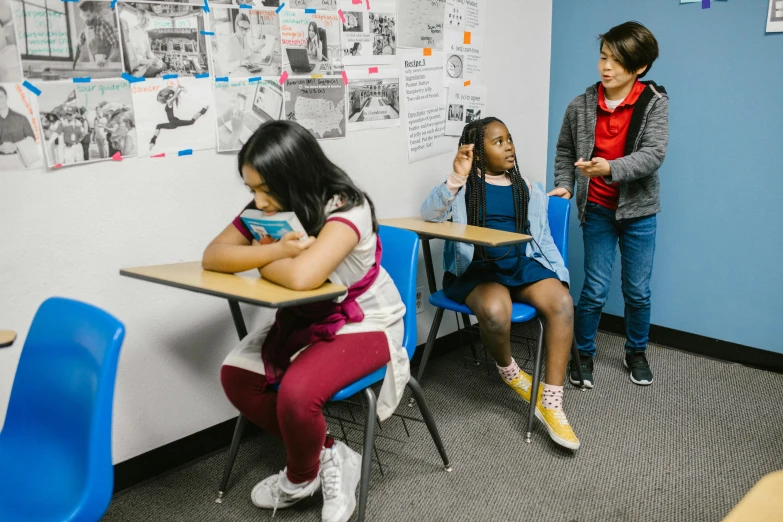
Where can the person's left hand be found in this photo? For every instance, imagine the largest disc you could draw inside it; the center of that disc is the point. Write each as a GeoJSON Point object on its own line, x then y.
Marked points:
{"type": "Point", "coordinates": [7, 147]}
{"type": "Point", "coordinates": [595, 168]}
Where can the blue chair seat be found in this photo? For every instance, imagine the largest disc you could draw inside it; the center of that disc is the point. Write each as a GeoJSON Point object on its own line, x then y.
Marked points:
{"type": "Point", "coordinates": [520, 313]}
{"type": "Point", "coordinates": [360, 385]}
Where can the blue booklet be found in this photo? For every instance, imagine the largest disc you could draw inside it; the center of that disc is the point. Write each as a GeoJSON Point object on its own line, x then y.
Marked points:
{"type": "Point", "coordinates": [275, 226]}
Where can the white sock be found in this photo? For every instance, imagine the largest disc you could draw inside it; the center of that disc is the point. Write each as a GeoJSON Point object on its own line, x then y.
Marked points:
{"type": "Point", "coordinates": [510, 372]}
{"type": "Point", "coordinates": [552, 398]}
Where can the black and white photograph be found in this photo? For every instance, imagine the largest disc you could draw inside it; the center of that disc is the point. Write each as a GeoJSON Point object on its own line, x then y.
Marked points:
{"type": "Point", "coordinates": [242, 107]}
{"type": "Point", "coordinates": [159, 39]}
{"type": "Point", "coordinates": [421, 23]}
{"type": "Point", "coordinates": [62, 40]}
{"type": "Point", "coordinates": [455, 112]}
{"type": "Point", "coordinates": [10, 64]}
{"type": "Point", "coordinates": [174, 115]}
{"type": "Point", "coordinates": [311, 42]}
{"type": "Point", "coordinates": [246, 42]}
{"type": "Point", "coordinates": [373, 99]}
{"type": "Point", "coordinates": [455, 15]}
{"type": "Point", "coordinates": [318, 104]}
{"type": "Point", "coordinates": [20, 129]}
{"type": "Point", "coordinates": [369, 37]}
{"type": "Point", "coordinates": [775, 19]}
{"type": "Point", "coordinates": [455, 67]}
{"type": "Point", "coordinates": [87, 122]}
{"type": "Point", "coordinates": [472, 114]}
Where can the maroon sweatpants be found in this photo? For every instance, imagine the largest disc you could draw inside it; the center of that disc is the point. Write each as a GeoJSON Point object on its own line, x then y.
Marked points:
{"type": "Point", "coordinates": [294, 412]}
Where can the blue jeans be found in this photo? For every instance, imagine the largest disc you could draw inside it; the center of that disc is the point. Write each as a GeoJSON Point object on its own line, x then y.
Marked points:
{"type": "Point", "coordinates": [601, 233]}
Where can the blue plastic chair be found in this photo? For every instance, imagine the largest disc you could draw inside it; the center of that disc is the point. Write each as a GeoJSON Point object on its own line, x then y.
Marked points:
{"type": "Point", "coordinates": [55, 447]}
{"type": "Point", "coordinates": [558, 214]}
{"type": "Point", "coordinates": [400, 259]}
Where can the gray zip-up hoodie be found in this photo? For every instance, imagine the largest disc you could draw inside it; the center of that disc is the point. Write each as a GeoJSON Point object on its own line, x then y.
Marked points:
{"type": "Point", "coordinates": [637, 171]}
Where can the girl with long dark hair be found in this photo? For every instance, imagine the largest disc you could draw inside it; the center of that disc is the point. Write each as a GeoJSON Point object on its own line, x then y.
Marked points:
{"type": "Point", "coordinates": [310, 351]}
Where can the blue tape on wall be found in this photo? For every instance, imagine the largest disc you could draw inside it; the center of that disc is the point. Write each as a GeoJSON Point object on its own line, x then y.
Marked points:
{"type": "Point", "coordinates": [132, 79]}
{"type": "Point", "coordinates": [185, 152]}
{"type": "Point", "coordinates": [170, 76]}
{"type": "Point", "coordinates": [32, 88]}
{"type": "Point", "coordinates": [202, 75]}
{"type": "Point", "coordinates": [254, 79]}
{"type": "Point", "coordinates": [280, 8]}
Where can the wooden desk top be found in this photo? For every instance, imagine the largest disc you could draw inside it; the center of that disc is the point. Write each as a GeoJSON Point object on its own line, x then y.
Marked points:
{"type": "Point", "coordinates": [455, 232]}
{"type": "Point", "coordinates": [7, 338]}
{"type": "Point", "coordinates": [763, 503]}
{"type": "Point", "coordinates": [242, 288]}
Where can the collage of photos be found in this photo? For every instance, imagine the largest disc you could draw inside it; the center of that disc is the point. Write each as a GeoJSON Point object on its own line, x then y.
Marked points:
{"type": "Point", "coordinates": [242, 107]}
{"type": "Point", "coordinates": [369, 36]}
{"type": "Point", "coordinates": [246, 42]}
{"type": "Point", "coordinates": [311, 42]}
{"type": "Point", "coordinates": [87, 122]}
{"type": "Point", "coordinates": [160, 39]}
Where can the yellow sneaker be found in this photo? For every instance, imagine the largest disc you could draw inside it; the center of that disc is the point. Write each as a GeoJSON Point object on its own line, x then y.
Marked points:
{"type": "Point", "coordinates": [523, 384]}
{"type": "Point", "coordinates": [558, 427]}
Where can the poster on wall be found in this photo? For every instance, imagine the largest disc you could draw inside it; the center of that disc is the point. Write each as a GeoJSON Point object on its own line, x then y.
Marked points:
{"type": "Point", "coordinates": [242, 107]}
{"type": "Point", "coordinates": [87, 122]}
{"type": "Point", "coordinates": [422, 79]}
{"type": "Point", "coordinates": [463, 59]}
{"type": "Point", "coordinates": [174, 115]}
{"type": "Point", "coordinates": [369, 36]}
{"type": "Point", "coordinates": [775, 19]}
{"type": "Point", "coordinates": [67, 40]}
{"type": "Point", "coordinates": [10, 64]}
{"type": "Point", "coordinates": [159, 39]}
{"type": "Point", "coordinates": [318, 104]}
{"type": "Point", "coordinates": [465, 15]}
{"type": "Point", "coordinates": [421, 23]}
{"type": "Point", "coordinates": [373, 99]}
{"type": "Point", "coordinates": [330, 5]}
{"type": "Point", "coordinates": [426, 133]}
{"type": "Point", "coordinates": [20, 129]}
{"type": "Point", "coordinates": [245, 42]}
{"type": "Point", "coordinates": [465, 104]}
{"type": "Point", "coordinates": [311, 42]}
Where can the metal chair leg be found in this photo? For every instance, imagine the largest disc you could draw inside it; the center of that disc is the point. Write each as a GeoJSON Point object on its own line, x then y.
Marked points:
{"type": "Point", "coordinates": [429, 421]}
{"type": "Point", "coordinates": [578, 364]}
{"type": "Point", "coordinates": [369, 443]}
{"type": "Point", "coordinates": [430, 341]}
{"type": "Point", "coordinates": [232, 455]}
{"type": "Point", "coordinates": [536, 378]}
{"type": "Point", "coordinates": [466, 325]}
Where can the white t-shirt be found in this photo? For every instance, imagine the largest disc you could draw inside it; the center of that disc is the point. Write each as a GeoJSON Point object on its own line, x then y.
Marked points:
{"type": "Point", "coordinates": [613, 104]}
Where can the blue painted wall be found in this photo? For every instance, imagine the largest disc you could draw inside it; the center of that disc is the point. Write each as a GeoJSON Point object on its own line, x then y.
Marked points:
{"type": "Point", "coordinates": [720, 233]}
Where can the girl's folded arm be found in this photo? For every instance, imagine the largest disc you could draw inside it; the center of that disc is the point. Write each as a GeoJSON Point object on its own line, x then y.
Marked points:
{"type": "Point", "coordinates": [310, 269]}
{"type": "Point", "coordinates": [232, 252]}
{"type": "Point", "coordinates": [437, 206]}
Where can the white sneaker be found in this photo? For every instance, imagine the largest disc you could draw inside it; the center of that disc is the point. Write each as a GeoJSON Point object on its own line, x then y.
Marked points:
{"type": "Point", "coordinates": [340, 473]}
{"type": "Point", "coordinates": [277, 492]}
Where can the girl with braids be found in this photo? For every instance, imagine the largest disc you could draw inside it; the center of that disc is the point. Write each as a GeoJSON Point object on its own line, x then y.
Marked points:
{"type": "Point", "coordinates": [311, 351]}
{"type": "Point", "coordinates": [486, 189]}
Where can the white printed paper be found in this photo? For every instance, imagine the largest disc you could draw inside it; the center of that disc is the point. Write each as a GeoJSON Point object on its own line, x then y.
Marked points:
{"type": "Point", "coordinates": [86, 122]}
{"type": "Point", "coordinates": [174, 115]}
{"type": "Point", "coordinates": [465, 104]}
{"type": "Point", "coordinates": [10, 64]}
{"type": "Point", "coordinates": [311, 42]}
{"type": "Point", "coordinates": [373, 99]}
{"type": "Point", "coordinates": [465, 15]}
{"type": "Point", "coordinates": [20, 129]}
{"type": "Point", "coordinates": [317, 104]}
{"type": "Point", "coordinates": [246, 42]}
{"type": "Point", "coordinates": [463, 61]}
{"type": "Point", "coordinates": [775, 19]}
{"type": "Point", "coordinates": [241, 107]}
{"type": "Point", "coordinates": [369, 37]}
{"type": "Point", "coordinates": [425, 134]}
{"type": "Point", "coordinates": [422, 79]}
{"type": "Point", "coordinates": [421, 23]}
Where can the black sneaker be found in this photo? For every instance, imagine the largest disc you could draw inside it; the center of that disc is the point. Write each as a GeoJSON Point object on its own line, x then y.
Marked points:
{"type": "Point", "coordinates": [587, 371]}
{"type": "Point", "coordinates": [640, 371]}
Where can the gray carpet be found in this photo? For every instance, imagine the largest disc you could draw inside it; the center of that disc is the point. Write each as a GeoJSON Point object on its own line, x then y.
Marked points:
{"type": "Point", "coordinates": [685, 449]}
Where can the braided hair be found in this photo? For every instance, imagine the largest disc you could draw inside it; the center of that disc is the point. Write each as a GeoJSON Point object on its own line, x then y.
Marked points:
{"type": "Point", "coordinates": [473, 133]}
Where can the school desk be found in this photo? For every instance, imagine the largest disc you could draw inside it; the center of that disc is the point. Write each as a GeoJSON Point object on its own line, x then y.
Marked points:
{"type": "Point", "coordinates": [763, 503]}
{"type": "Point", "coordinates": [7, 338]}
{"type": "Point", "coordinates": [474, 235]}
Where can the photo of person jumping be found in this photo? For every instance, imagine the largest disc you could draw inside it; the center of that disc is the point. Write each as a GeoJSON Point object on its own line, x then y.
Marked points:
{"type": "Point", "coordinates": [169, 97]}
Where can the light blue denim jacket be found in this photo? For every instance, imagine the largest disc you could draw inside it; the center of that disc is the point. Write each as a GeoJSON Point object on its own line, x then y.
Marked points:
{"type": "Point", "coordinates": [441, 205]}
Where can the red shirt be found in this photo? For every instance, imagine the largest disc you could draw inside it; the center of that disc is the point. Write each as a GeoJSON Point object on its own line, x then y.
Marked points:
{"type": "Point", "coordinates": [611, 132]}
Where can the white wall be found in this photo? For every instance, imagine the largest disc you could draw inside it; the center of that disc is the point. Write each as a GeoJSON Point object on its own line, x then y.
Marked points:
{"type": "Point", "coordinates": [68, 232]}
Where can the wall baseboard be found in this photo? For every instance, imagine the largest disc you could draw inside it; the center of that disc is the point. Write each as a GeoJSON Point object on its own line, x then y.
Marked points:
{"type": "Point", "coordinates": [701, 345]}
{"type": "Point", "coordinates": [199, 445]}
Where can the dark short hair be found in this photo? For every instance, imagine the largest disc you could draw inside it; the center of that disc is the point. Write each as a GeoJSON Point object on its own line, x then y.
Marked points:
{"type": "Point", "coordinates": [633, 46]}
{"type": "Point", "coordinates": [90, 6]}
{"type": "Point", "coordinates": [4, 91]}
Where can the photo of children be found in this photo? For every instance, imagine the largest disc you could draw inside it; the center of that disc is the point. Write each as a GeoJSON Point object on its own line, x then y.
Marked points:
{"type": "Point", "coordinates": [87, 122]}
{"type": "Point", "coordinates": [173, 115]}
{"type": "Point", "coordinates": [20, 132]}
{"type": "Point", "coordinates": [60, 40]}
{"type": "Point", "coordinates": [160, 39]}
{"type": "Point", "coordinates": [311, 42]}
{"type": "Point", "coordinates": [246, 42]}
{"type": "Point", "coordinates": [318, 104]}
{"type": "Point", "coordinates": [455, 112]}
{"type": "Point", "coordinates": [242, 107]}
{"type": "Point", "coordinates": [10, 65]}
{"type": "Point", "coordinates": [374, 99]}
{"type": "Point", "coordinates": [369, 37]}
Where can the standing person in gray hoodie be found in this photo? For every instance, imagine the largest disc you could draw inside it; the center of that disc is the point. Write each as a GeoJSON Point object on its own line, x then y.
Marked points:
{"type": "Point", "coordinates": [611, 144]}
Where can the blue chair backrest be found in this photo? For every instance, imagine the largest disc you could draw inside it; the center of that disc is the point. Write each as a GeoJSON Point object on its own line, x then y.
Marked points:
{"type": "Point", "coordinates": [401, 259]}
{"type": "Point", "coordinates": [559, 214]}
{"type": "Point", "coordinates": [64, 389]}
